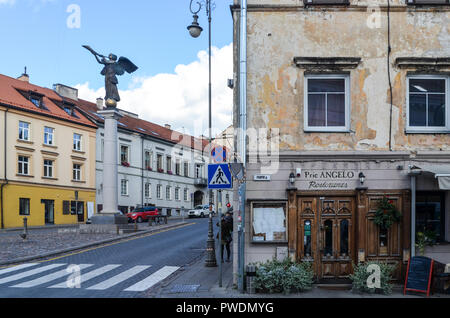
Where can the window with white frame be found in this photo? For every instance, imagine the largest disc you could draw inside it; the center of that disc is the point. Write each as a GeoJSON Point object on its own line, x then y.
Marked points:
{"type": "Point", "coordinates": [148, 160]}
{"type": "Point", "coordinates": [199, 170]}
{"type": "Point", "coordinates": [186, 194]}
{"type": "Point", "coordinates": [124, 154]}
{"type": "Point", "coordinates": [158, 191]}
{"type": "Point", "coordinates": [159, 162]}
{"type": "Point", "coordinates": [427, 103]}
{"type": "Point", "coordinates": [49, 136]}
{"type": "Point", "coordinates": [177, 194]}
{"type": "Point", "coordinates": [123, 187]}
{"type": "Point", "coordinates": [76, 172]}
{"type": "Point", "coordinates": [327, 103]}
{"type": "Point", "coordinates": [186, 169]}
{"type": "Point", "coordinates": [48, 168]}
{"type": "Point", "coordinates": [77, 142]}
{"type": "Point", "coordinates": [168, 193]}
{"type": "Point", "coordinates": [23, 165]}
{"type": "Point", "coordinates": [147, 190]}
{"type": "Point", "coordinates": [24, 131]}
{"type": "Point", "coordinates": [169, 163]}
{"type": "Point", "coordinates": [178, 167]}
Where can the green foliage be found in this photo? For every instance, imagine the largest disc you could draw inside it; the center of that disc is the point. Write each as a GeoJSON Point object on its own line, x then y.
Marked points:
{"type": "Point", "coordinates": [386, 214]}
{"type": "Point", "coordinates": [283, 276]}
{"type": "Point", "coordinates": [361, 275]}
{"type": "Point", "coordinates": [428, 237]}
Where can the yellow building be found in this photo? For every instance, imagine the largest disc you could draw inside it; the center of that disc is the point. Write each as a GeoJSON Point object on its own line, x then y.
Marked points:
{"type": "Point", "coordinates": [47, 156]}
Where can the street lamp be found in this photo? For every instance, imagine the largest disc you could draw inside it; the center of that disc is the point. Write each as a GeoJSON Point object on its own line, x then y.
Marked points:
{"type": "Point", "coordinates": [195, 30]}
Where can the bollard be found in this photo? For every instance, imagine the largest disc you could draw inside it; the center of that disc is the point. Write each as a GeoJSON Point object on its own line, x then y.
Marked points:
{"type": "Point", "coordinates": [135, 225]}
{"type": "Point", "coordinates": [251, 274]}
{"type": "Point", "coordinates": [25, 228]}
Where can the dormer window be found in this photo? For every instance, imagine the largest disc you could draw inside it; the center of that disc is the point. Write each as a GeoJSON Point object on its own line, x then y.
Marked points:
{"type": "Point", "coordinates": [34, 97]}
{"type": "Point", "coordinates": [68, 110]}
{"type": "Point", "coordinates": [35, 101]}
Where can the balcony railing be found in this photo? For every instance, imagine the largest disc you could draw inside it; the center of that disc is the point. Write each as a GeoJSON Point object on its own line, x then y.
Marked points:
{"type": "Point", "coordinates": [201, 182]}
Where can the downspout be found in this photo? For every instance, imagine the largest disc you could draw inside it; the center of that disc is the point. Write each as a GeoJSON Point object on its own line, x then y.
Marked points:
{"type": "Point", "coordinates": [6, 178]}
{"type": "Point", "coordinates": [413, 215]}
{"type": "Point", "coordinates": [142, 170]}
{"type": "Point", "coordinates": [243, 134]}
{"type": "Point", "coordinates": [389, 71]}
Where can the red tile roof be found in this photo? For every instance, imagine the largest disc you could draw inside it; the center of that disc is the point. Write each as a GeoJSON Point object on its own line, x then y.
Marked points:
{"type": "Point", "coordinates": [10, 95]}
{"type": "Point", "coordinates": [147, 128]}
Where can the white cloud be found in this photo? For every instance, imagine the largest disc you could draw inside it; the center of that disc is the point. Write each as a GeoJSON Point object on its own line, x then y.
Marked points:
{"type": "Point", "coordinates": [180, 98]}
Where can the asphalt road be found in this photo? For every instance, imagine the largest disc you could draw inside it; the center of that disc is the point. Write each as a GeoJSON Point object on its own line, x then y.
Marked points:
{"type": "Point", "coordinates": [120, 270]}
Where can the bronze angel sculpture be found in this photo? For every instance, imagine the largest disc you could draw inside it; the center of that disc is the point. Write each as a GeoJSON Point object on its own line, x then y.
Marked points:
{"type": "Point", "coordinates": [112, 68]}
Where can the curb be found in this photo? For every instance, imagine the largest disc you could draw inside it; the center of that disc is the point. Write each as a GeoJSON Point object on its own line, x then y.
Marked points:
{"type": "Point", "coordinates": [87, 245]}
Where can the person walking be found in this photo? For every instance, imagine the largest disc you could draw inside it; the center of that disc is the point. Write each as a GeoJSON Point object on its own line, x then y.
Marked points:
{"type": "Point", "coordinates": [225, 240]}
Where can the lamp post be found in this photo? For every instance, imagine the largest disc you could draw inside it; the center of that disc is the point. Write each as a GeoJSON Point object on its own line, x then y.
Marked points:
{"type": "Point", "coordinates": [195, 30]}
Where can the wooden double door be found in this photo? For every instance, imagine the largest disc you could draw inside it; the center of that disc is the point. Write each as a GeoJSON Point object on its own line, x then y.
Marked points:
{"type": "Point", "coordinates": [325, 234]}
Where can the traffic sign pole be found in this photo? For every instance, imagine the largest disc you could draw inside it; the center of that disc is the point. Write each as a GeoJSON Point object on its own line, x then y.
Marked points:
{"type": "Point", "coordinates": [219, 199]}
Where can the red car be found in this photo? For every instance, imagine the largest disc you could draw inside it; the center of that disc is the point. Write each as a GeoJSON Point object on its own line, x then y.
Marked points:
{"type": "Point", "coordinates": [142, 214]}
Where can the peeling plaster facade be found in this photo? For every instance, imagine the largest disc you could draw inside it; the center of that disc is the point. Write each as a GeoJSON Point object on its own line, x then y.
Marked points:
{"type": "Point", "coordinates": [279, 31]}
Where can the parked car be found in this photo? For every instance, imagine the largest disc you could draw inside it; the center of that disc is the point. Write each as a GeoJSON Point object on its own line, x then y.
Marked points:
{"type": "Point", "coordinates": [142, 214]}
{"type": "Point", "coordinates": [200, 211]}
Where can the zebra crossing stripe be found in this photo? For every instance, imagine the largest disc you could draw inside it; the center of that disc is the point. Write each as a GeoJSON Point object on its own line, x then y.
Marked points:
{"type": "Point", "coordinates": [49, 277]}
{"type": "Point", "coordinates": [119, 278]}
{"type": "Point", "coordinates": [29, 273]}
{"type": "Point", "coordinates": [16, 268]}
{"type": "Point", "coordinates": [89, 275]}
{"type": "Point", "coordinates": [153, 279]}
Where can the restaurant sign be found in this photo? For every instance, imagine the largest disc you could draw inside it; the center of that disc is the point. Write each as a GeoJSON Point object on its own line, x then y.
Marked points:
{"type": "Point", "coordinates": [329, 179]}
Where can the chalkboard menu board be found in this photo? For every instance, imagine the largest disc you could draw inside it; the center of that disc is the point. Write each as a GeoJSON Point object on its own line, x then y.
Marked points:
{"type": "Point", "coordinates": [419, 274]}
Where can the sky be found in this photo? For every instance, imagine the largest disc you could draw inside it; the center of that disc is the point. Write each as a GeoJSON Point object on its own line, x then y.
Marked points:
{"type": "Point", "coordinates": [171, 84]}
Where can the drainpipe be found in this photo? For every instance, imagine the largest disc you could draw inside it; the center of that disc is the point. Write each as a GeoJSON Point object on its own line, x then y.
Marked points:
{"type": "Point", "coordinates": [142, 170]}
{"type": "Point", "coordinates": [413, 215]}
{"type": "Point", "coordinates": [413, 173]}
{"type": "Point", "coordinates": [6, 178]}
{"type": "Point", "coordinates": [243, 141]}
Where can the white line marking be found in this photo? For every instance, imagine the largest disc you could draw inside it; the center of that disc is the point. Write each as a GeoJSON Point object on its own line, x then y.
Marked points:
{"type": "Point", "coordinates": [153, 279]}
{"type": "Point", "coordinates": [48, 278]}
{"type": "Point", "coordinates": [88, 276]}
{"type": "Point", "coordinates": [119, 278]}
{"type": "Point", "coordinates": [16, 268]}
{"type": "Point", "coordinates": [29, 273]}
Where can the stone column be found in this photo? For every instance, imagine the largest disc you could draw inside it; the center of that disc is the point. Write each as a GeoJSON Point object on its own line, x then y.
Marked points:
{"type": "Point", "coordinates": [110, 213]}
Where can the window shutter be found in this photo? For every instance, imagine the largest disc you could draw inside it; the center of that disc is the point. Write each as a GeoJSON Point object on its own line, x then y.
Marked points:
{"type": "Point", "coordinates": [66, 207]}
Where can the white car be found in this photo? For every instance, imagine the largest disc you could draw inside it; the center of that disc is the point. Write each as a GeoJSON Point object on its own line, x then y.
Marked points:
{"type": "Point", "coordinates": [200, 211]}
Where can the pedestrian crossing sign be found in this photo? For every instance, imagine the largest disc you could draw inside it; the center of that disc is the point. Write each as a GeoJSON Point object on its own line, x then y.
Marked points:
{"type": "Point", "coordinates": [219, 176]}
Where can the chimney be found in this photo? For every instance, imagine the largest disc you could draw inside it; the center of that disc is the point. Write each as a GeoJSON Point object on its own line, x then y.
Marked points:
{"type": "Point", "coordinates": [100, 103]}
{"type": "Point", "coordinates": [66, 91]}
{"type": "Point", "coordinates": [168, 126]}
{"type": "Point", "coordinates": [24, 77]}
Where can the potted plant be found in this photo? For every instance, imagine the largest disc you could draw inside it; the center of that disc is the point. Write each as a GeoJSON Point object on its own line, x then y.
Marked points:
{"type": "Point", "coordinates": [169, 172]}
{"type": "Point", "coordinates": [149, 169]}
{"type": "Point", "coordinates": [427, 237]}
{"type": "Point", "coordinates": [160, 170]}
{"type": "Point", "coordinates": [125, 164]}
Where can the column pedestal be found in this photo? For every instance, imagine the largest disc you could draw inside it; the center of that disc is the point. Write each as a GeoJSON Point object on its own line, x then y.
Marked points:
{"type": "Point", "coordinates": [110, 213]}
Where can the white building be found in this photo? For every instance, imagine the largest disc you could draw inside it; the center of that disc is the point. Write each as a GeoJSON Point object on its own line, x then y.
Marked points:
{"type": "Point", "coordinates": [157, 166]}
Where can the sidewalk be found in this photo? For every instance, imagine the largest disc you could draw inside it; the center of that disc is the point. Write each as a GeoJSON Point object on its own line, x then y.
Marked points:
{"type": "Point", "coordinates": [199, 281]}
{"type": "Point", "coordinates": [44, 242]}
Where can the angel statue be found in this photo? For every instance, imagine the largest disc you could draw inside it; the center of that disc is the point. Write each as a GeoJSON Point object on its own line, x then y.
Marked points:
{"type": "Point", "coordinates": [111, 69]}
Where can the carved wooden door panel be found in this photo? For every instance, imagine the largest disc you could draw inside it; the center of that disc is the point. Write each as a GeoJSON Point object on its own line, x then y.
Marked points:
{"type": "Point", "coordinates": [307, 231]}
{"type": "Point", "coordinates": [335, 239]}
